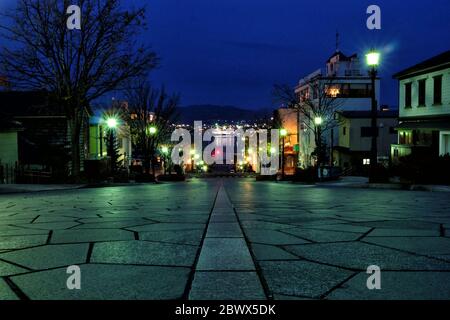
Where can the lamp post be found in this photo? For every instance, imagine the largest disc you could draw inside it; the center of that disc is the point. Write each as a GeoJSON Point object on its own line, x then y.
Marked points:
{"type": "Point", "coordinates": [373, 60]}
{"type": "Point", "coordinates": [318, 125]}
{"type": "Point", "coordinates": [112, 124]}
{"type": "Point", "coordinates": [283, 134]}
{"type": "Point", "coordinates": [165, 152]}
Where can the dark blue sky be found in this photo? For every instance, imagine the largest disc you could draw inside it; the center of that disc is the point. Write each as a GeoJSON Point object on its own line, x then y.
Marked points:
{"type": "Point", "coordinates": [231, 52]}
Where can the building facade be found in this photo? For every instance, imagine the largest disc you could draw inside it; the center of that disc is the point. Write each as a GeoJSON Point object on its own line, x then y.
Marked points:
{"type": "Point", "coordinates": [43, 143]}
{"type": "Point", "coordinates": [424, 102]}
{"type": "Point", "coordinates": [344, 79]}
{"type": "Point", "coordinates": [352, 150]}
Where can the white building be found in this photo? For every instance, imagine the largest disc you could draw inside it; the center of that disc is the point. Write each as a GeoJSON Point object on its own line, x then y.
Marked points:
{"type": "Point", "coordinates": [424, 102]}
{"type": "Point", "coordinates": [348, 80]}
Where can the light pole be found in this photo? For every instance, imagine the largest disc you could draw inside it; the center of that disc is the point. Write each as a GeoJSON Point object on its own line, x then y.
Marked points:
{"type": "Point", "coordinates": [112, 124]}
{"type": "Point", "coordinates": [165, 152]}
{"type": "Point", "coordinates": [373, 60]}
{"type": "Point", "coordinates": [318, 125]}
{"type": "Point", "coordinates": [150, 159]}
{"type": "Point", "coordinates": [283, 134]}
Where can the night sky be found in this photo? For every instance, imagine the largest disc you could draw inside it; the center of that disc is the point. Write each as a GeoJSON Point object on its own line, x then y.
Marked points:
{"type": "Point", "coordinates": [231, 52]}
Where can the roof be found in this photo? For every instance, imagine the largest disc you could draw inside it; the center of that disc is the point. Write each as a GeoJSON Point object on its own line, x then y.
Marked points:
{"type": "Point", "coordinates": [27, 103]}
{"type": "Point", "coordinates": [342, 57]}
{"type": "Point", "coordinates": [441, 60]}
{"type": "Point", "coordinates": [425, 124]}
{"type": "Point", "coordinates": [368, 114]}
{"type": "Point", "coordinates": [8, 125]}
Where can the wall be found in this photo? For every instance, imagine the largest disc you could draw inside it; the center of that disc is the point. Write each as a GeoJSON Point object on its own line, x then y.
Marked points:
{"type": "Point", "coordinates": [8, 148]}
{"type": "Point", "coordinates": [430, 109]}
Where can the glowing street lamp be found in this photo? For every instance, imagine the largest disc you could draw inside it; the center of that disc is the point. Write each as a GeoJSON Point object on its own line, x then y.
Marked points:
{"type": "Point", "coordinates": [152, 130]}
{"type": "Point", "coordinates": [318, 121]}
{"type": "Point", "coordinates": [283, 132]}
{"type": "Point", "coordinates": [373, 61]}
{"type": "Point", "coordinates": [165, 150]}
{"type": "Point", "coordinates": [112, 123]}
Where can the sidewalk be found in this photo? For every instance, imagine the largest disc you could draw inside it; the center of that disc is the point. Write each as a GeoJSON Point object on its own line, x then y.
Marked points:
{"type": "Point", "coordinates": [363, 182]}
{"type": "Point", "coordinates": [25, 188]}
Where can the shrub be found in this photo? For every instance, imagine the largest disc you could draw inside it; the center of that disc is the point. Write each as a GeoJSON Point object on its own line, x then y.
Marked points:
{"type": "Point", "coordinates": [305, 175]}
{"type": "Point", "coordinates": [426, 169]}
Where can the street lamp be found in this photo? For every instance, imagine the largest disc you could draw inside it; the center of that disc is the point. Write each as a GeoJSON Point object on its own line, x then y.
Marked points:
{"type": "Point", "coordinates": [111, 123]}
{"type": "Point", "coordinates": [165, 152]}
{"type": "Point", "coordinates": [283, 134]}
{"type": "Point", "coordinates": [152, 130]}
{"type": "Point", "coordinates": [373, 61]}
{"type": "Point", "coordinates": [318, 121]}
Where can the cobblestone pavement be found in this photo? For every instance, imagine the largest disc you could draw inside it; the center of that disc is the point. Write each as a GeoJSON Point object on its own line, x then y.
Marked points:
{"type": "Point", "coordinates": [225, 239]}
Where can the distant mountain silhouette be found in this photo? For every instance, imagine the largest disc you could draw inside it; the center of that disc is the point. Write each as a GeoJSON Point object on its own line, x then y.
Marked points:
{"type": "Point", "coordinates": [215, 113]}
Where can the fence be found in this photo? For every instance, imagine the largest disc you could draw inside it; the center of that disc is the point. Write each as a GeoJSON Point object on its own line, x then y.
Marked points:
{"type": "Point", "coordinates": [11, 174]}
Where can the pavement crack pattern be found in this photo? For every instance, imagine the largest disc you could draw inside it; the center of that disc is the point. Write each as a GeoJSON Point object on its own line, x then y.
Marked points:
{"type": "Point", "coordinates": [225, 239]}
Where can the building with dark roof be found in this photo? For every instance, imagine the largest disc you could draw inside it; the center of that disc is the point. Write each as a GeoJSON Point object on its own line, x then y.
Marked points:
{"type": "Point", "coordinates": [353, 140]}
{"type": "Point", "coordinates": [346, 78]}
{"type": "Point", "coordinates": [43, 141]}
{"type": "Point", "coordinates": [424, 102]}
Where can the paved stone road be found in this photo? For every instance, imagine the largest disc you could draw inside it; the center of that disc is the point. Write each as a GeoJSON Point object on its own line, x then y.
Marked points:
{"type": "Point", "coordinates": [230, 239]}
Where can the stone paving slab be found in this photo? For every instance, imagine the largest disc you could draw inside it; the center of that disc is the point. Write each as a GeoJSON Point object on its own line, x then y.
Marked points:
{"type": "Point", "coordinates": [7, 269]}
{"type": "Point", "coordinates": [224, 230]}
{"type": "Point", "coordinates": [107, 282]}
{"type": "Point", "coordinates": [420, 245]}
{"type": "Point", "coordinates": [169, 227]}
{"type": "Point", "coordinates": [5, 291]}
{"type": "Point", "coordinates": [191, 237]}
{"type": "Point", "coordinates": [272, 237]}
{"type": "Point", "coordinates": [90, 235]}
{"type": "Point", "coordinates": [49, 256]}
{"type": "Point", "coordinates": [301, 278]}
{"type": "Point", "coordinates": [144, 253]}
{"type": "Point", "coordinates": [397, 286]}
{"type": "Point", "coordinates": [314, 235]}
{"type": "Point", "coordinates": [268, 252]}
{"type": "Point", "coordinates": [359, 256]}
{"type": "Point", "coordinates": [225, 254]}
{"type": "Point", "coordinates": [380, 232]}
{"type": "Point", "coordinates": [226, 286]}
{"type": "Point", "coordinates": [23, 241]}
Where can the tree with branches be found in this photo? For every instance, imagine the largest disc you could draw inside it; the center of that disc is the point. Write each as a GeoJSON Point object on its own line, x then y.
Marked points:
{"type": "Point", "coordinates": [75, 67]}
{"type": "Point", "coordinates": [151, 115]}
{"type": "Point", "coordinates": [317, 108]}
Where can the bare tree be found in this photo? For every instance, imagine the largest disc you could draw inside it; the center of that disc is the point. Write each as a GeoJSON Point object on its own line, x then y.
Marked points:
{"type": "Point", "coordinates": [74, 66]}
{"type": "Point", "coordinates": [152, 113]}
{"type": "Point", "coordinates": [317, 109]}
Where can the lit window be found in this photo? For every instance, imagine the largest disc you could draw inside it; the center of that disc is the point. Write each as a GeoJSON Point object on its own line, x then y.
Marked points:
{"type": "Point", "coordinates": [366, 162]}
{"type": "Point", "coordinates": [333, 92]}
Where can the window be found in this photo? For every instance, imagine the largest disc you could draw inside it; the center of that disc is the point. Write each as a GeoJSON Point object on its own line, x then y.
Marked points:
{"type": "Point", "coordinates": [344, 131]}
{"type": "Point", "coordinates": [408, 95]}
{"type": "Point", "coordinates": [422, 92]}
{"type": "Point", "coordinates": [437, 90]}
{"type": "Point", "coordinates": [405, 137]}
{"type": "Point", "coordinates": [367, 132]}
{"type": "Point", "coordinates": [366, 162]}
